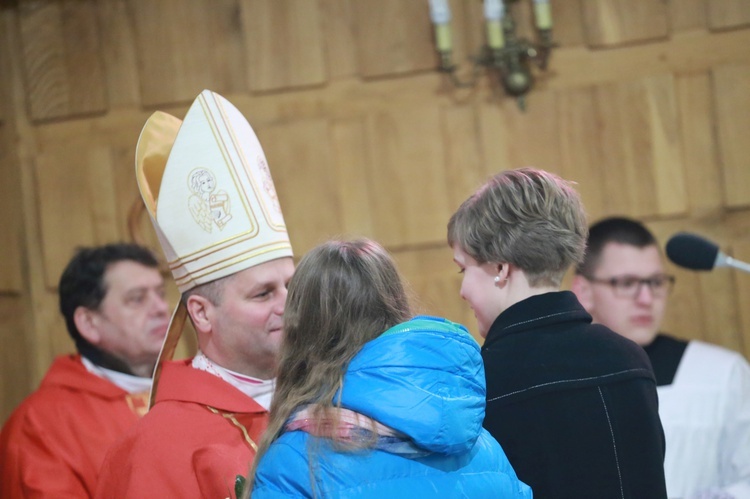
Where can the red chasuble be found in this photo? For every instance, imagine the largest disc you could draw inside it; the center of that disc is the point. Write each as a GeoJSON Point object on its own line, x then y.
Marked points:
{"type": "Point", "coordinates": [199, 435]}
{"type": "Point", "coordinates": [55, 441]}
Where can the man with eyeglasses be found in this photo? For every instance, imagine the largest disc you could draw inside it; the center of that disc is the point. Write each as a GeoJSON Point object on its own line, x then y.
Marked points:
{"type": "Point", "coordinates": [704, 390]}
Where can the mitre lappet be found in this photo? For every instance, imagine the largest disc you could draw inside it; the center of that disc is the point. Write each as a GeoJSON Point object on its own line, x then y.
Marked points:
{"type": "Point", "coordinates": [209, 193]}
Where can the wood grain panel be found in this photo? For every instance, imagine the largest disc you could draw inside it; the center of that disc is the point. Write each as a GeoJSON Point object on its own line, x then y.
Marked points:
{"type": "Point", "coordinates": [466, 169]}
{"type": "Point", "coordinates": [581, 158]}
{"type": "Point", "coordinates": [436, 284]}
{"type": "Point", "coordinates": [728, 13]}
{"type": "Point", "coordinates": [5, 69]}
{"type": "Point", "coordinates": [702, 169]}
{"type": "Point", "coordinates": [15, 351]}
{"type": "Point", "coordinates": [567, 19]}
{"type": "Point", "coordinates": [62, 61]}
{"type": "Point", "coordinates": [11, 223]}
{"type": "Point", "coordinates": [617, 22]}
{"type": "Point", "coordinates": [349, 142]}
{"type": "Point", "coordinates": [687, 15]}
{"type": "Point", "coordinates": [340, 37]}
{"type": "Point", "coordinates": [719, 309]}
{"type": "Point", "coordinates": [731, 83]}
{"type": "Point", "coordinates": [284, 44]}
{"type": "Point", "coordinates": [301, 162]}
{"type": "Point", "coordinates": [407, 176]}
{"type": "Point", "coordinates": [77, 202]}
{"type": "Point", "coordinates": [512, 138]}
{"type": "Point", "coordinates": [118, 46]}
{"type": "Point", "coordinates": [697, 51]}
{"type": "Point", "coordinates": [394, 37]}
{"type": "Point", "coordinates": [104, 195]}
{"type": "Point", "coordinates": [684, 315]}
{"type": "Point", "coordinates": [642, 159]}
{"type": "Point", "coordinates": [185, 47]}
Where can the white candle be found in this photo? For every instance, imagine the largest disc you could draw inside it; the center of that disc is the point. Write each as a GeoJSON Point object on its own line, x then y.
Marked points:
{"type": "Point", "coordinates": [494, 10]}
{"type": "Point", "coordinates": [440, 14]}
{"type": "Point", "coordinates": [543, 14]}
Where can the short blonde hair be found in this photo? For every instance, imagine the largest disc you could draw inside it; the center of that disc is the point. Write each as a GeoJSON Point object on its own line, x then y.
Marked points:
{"type": "Point", "coordinates": [527, 217]}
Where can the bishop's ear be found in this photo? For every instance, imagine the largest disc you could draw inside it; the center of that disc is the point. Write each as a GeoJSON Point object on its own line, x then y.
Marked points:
{"type": "Point", "coordinates": [201, 312]}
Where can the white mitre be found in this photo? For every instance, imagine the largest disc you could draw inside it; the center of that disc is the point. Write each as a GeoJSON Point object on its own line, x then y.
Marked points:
{"type": "Point", "coordinates": [210, 196]}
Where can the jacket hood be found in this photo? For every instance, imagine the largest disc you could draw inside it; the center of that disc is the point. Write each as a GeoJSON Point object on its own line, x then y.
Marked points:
{"type": "Point", "coordinates": [424, 378]}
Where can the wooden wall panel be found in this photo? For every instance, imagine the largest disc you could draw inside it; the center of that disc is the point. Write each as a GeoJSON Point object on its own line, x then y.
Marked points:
{"type": "Point", "coordinates": [581, 159]}
{"type": "Point", "coordinates": [728, 13]}
{"type": "Point", "coordinates": [15, 351]}
{"type": "Point", "coordinates": [617, 22]}
{"type": "Point", "coordinates": [686, 15]}
{"type": "Point", "coordinates": [394, 37]}
{"type": "Point", "coordinates": [436, 284]}
{"type": "Point", "coordinates": [731, 83]}
{"type": "Point", "coordinates": [641, 157]}
{"type": "Point", "coordinates": [466, 169]}
{"type": "Point", "coordinates": [684, 315]}
{"type": "Point", "coordinates": [77, 199]}
{"type": "Point", "coordinates": [299, 155]}
{"type": "Point", "coordinates": [340, 37]}
{"type": "Point", "coordinates": [11, 222]}
{"type": "Point", "coordinates": [118, 48]}
{"type": "Point", "coordinates": [61, 59]}
{"type": "Point", "coordinates": [5, 67]}
{"type": "Point", "coordinates": [512, 138]}
{"type": "Point", "coordinates": [185, 47]}
{"type": "Point", "coordinates": [284, 44]}
{"type": "Point", "coordinates": [719, 309]}
{"type": "Point", "coordinates": [567, 27]}
{"type": "Point", "coordinates": [407, 176]}
{"type": "Point", "coordinates": [349, 143]}
{"type": "Point", "coordinates": [699, 152]}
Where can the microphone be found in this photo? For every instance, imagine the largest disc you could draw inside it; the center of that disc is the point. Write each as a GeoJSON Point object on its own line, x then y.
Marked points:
{"type": "Point", "coordinates": [697, 253]}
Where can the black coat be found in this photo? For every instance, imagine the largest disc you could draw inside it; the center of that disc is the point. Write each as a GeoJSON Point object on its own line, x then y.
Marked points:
{"type": "Point", "coordinates": [573, 405]}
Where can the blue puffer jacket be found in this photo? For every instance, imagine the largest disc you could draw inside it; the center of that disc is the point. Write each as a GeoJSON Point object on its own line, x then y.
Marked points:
{"type": "Point", "coordinates": [425, 379]}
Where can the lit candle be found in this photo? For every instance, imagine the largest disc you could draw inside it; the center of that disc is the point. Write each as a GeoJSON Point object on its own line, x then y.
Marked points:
{"type": "Point", "coordinates": [440, 14]}
{"type": "Point", "coordinates": [543, 14]}
{"type": "Point", "coordinates": [494, 10]}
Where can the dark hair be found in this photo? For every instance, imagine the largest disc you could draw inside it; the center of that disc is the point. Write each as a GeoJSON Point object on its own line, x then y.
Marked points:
{"type": "Point", "coordinates": [613, 230]}
{"type": "Point", "coordinates": [82, 282]}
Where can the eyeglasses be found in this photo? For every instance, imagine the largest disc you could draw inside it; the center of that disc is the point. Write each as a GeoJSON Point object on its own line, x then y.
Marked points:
{"type": "Point", "coordinates": [630, 286]}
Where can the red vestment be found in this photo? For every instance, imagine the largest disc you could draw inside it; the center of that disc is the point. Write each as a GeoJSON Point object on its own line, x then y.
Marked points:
{"type": "Point", "coordinates": [55, 441]}
{"type": "Point", "coordinates": [199, 435]}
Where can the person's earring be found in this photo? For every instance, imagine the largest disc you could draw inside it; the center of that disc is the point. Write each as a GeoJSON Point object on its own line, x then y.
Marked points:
{"type": "Point", "coordinates": [497, 279]}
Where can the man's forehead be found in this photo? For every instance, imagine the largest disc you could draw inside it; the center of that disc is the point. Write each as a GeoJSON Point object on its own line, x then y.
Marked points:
{"type": "Point", "coordinates": [268, 272]}
{"type": "Point", "coordinates": [129, 274]}
{"type": "Point", "coordinates": [624, 259]}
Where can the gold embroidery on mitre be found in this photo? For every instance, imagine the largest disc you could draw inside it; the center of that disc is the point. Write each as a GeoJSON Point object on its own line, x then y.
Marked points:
{"type": "Point", "coordinates": [207, 205]}
{"type": "Point", "coordinates": [268, 183]}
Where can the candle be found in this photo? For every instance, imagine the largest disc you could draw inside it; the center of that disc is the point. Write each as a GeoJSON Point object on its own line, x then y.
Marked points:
{"type": "Point", "coordinates": [543, 14]}
{"type": "Point", "coordinates": [440, 14]}
{"type": "Point", "coordinates": [493, 15]}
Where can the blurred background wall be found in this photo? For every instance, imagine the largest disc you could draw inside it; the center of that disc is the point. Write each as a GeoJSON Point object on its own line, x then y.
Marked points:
{"type": "Point", "coordinates": [646, 105]}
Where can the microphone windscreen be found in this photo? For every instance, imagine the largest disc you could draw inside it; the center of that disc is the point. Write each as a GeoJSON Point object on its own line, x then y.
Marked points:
{"type": "Point", "coordinates": [692, 251]}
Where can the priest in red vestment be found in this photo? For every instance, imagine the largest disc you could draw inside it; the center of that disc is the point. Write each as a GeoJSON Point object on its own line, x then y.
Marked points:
{"type": "Point", "coordinates": [112, 298]}
{"type": "Point", "coordinates": [207, 187]}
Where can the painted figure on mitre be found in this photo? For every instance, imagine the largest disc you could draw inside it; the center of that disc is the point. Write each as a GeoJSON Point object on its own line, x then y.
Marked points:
{"type": "Point", "coordinates": [207, 205]}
